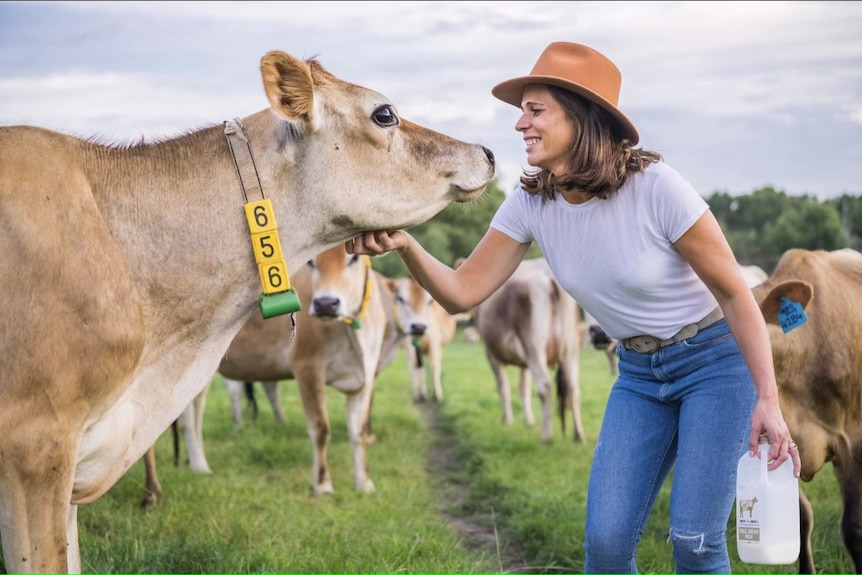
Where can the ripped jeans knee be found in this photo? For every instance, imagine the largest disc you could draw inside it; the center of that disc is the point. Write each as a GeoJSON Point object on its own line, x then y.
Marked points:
{"type": "Point", "coordinates": [699, 552]}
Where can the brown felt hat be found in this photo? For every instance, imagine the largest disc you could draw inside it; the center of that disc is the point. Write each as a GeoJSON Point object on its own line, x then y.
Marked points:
{"type": "Point", "coordinates": [579, 69]}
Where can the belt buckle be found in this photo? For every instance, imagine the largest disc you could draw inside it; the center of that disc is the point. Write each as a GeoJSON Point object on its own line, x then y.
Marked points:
{"type": "Point", "coordinates": [644, 343]}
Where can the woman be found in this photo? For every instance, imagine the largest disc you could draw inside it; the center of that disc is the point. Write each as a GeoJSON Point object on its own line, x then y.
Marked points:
{"type": "Point", "coordinates": [637, 246]}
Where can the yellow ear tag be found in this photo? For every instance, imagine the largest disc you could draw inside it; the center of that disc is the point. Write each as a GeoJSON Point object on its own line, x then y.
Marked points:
{"type": "Point", "coordinates": [278, 296]}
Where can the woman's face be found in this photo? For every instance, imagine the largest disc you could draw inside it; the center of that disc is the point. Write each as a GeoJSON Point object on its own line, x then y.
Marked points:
{"type": "Point", "coordinates": [548, 132]}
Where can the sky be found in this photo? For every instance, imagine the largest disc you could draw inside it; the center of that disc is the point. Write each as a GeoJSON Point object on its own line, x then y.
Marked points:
{"type": "Point", "coordinates": [737, 96]}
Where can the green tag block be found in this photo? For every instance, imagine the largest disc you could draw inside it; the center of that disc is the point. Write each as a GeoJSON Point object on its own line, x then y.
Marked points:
{"type": "Point", "coordinates": [279, 303]}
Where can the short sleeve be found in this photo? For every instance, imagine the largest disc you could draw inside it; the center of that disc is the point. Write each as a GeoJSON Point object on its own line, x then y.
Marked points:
{"type": "Point", "coordinates": [512, 217]}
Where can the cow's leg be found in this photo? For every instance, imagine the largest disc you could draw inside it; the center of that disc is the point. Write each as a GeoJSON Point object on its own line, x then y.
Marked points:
{"type": "Point", "coordinates": [525, 389]}
{"type": "Point", "coordinates": [34, 517]}
{"type": "Point", "coordinates": [571, 372]}
{"type": "Point", "coordinates": [543, 388]}
{"type": "Point", "coordinates": [537, 364]}
{"type": "Point", "coordinates": [271, 389]}
{"type": "Point", "coordinates": [499, 371]}
{"type": "Point", "coordinates": [435, 354]}
{"type": "Point", "coordinates": [73, 549]}
{"type": "Point", "coordinates": [191, 422]}
{"type": "Point", "coordinates": [806, 526]}
{"type": "Point", "coordinates": [312, 391]}
{"type": "Point", "coordinates": [367, 430]}
{"type": "Point", "coordinates": [235, 392]}
{"type": "Point", "coordinates": [847, 474]}
{"type": "Point", "coordinates": [358, 407]}
{"type": "Point", "coordinates": [152, 487]}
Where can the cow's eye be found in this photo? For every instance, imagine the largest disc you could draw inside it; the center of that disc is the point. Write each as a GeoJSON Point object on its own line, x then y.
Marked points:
{"type": "Point", "coordinates": [311, 264]}
{"type": "Point", "coordinates": [385, 116]}
{"type": "Point", "coordinates": [353, 259]}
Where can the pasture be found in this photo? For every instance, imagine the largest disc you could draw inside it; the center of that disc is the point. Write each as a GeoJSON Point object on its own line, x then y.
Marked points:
{"type": "Point", "coordinates": [456, 492]}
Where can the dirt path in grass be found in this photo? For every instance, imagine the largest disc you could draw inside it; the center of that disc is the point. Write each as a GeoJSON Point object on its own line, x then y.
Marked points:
{"type": "Point", "coordinates": [474, 522]}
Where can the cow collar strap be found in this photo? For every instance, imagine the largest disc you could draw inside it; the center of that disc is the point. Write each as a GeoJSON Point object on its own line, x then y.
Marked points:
{"type": "Point", "coordinates": [356, 322]}
{"type": "Point", "coordinates": [277, 297]}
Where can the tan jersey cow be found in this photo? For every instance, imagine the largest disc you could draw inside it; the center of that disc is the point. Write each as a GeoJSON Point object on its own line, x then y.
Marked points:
{"type": "Point", "coordinates": [532, 323]}
{"type": "Point", "coordinates": [426, 328]}
{"type": "Point", "coordinates": [237, 390]}
{"type": "Point", "coordinates": [818, 365]}
{"type": "Point", "coordinates": [127, 271]}
{"type": "Point", "coordinates": [344, 337]}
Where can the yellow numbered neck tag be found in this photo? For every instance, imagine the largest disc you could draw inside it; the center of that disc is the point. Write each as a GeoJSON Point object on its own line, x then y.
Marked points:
{"type": "Point", "coordinates": [278, 296]}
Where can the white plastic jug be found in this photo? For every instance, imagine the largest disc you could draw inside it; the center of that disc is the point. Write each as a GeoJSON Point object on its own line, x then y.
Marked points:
{"type": "Point", "coordinates": [767, 510]}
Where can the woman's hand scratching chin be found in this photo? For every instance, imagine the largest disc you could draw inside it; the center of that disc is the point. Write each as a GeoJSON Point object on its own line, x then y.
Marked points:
{"type": "Point", "coordinates": [377, 242]}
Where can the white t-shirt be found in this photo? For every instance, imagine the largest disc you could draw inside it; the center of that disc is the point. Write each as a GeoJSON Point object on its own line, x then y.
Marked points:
{"type": "Point", "coordinates": [616, 256]}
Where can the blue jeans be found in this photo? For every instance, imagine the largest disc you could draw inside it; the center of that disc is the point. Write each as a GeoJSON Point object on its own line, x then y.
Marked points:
{"type": "Point", "coordinates": [687, 408]}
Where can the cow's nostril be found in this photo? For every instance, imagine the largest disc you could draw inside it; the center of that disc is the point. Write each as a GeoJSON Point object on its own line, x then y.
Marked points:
{"type": "Point", "coordinates": [490, 155]}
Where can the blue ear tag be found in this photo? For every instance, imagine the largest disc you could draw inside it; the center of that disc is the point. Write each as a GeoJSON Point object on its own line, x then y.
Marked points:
{"type": "Point", "coordinates": [791, 315]}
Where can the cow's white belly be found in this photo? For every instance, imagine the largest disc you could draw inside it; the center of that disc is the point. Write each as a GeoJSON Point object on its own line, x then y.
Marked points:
{"type": "Point", "coordinates": [111, 444]}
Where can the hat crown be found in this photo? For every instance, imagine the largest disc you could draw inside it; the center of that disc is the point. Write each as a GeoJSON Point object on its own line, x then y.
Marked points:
{"type": "Point", "coordinates": [579, 69]}
{"type": "Point", "coordinates": [581, 65]}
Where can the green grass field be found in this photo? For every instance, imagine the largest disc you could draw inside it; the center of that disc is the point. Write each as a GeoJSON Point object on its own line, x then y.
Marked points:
{"type": "Point", "coordinates": [456, 491]}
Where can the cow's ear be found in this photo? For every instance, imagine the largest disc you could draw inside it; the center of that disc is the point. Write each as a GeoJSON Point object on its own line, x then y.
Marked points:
{"type": "Point", "coordinates": [289, 87]}
{"type": "Point", "coordinates": [798, 291]}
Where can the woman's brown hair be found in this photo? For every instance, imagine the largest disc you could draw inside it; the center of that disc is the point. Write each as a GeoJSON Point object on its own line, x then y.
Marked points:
{"type": "Point", "coordinates": [601, 158]}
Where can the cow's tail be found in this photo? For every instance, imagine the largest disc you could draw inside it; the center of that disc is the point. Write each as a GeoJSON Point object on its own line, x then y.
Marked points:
{"type": "Point", "coordinates": [249, 395]}
{"type": "Point", "coordinates": [563, 397]}
{"type": "Point", "coordinates": [175, 432]}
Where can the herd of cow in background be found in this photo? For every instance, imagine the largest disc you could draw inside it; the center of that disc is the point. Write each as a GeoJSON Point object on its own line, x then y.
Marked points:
{"type": "Point", "coordinates": [532, 324]}
{"type": "Point", "coordinates": [89, 226]}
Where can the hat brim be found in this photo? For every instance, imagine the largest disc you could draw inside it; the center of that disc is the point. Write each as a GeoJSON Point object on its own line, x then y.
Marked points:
{"type": "Point", "coordinates": [512, 90]}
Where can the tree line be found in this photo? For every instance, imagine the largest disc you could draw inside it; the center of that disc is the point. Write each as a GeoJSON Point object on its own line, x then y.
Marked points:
{"type": "Point", "coordinates": [760, 226]}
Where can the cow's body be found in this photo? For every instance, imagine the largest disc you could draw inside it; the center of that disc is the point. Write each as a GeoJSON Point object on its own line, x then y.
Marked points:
{"type": "Point", "coordinates": [532, 323]}
{"type": "Point", "coordinates": [426, 329]}
{"type": "Point", "coordinates": [345, 335]}
{"type": "Point", "coordinates": [127, 272]}
{"type": "Point", "coordinates": [818, 366]}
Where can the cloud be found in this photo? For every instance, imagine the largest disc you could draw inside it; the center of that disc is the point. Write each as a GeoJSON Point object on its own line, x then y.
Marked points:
{"type": "Point", "coordinates": [701, 80]}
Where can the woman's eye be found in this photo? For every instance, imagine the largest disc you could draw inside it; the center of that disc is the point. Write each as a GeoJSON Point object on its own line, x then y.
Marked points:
{"type": "Point", "coordinates": [384, 116]}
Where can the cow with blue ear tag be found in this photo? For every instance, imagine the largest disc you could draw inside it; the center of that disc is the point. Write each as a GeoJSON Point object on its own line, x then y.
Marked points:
{"type": "Point", "coordinates": [811, 306]}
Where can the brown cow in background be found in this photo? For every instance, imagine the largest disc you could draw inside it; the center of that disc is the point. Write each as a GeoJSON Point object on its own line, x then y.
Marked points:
{"type": "Point", "coordinates": [426, 328]}
{"type": "Point", "coordinates": [344, 337]}
{"type": "Point", "coordinates": [532, 323]}
{"type": "Point", "coordinates": [818, 366]}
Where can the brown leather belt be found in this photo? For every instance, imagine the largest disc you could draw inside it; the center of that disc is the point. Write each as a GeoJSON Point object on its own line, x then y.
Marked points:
{"type": "Point", "coordinates": [650, 344]}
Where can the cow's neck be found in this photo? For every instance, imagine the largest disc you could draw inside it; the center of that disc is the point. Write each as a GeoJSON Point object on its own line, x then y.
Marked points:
{"type": "Point", "coordinates": [176, 211]}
